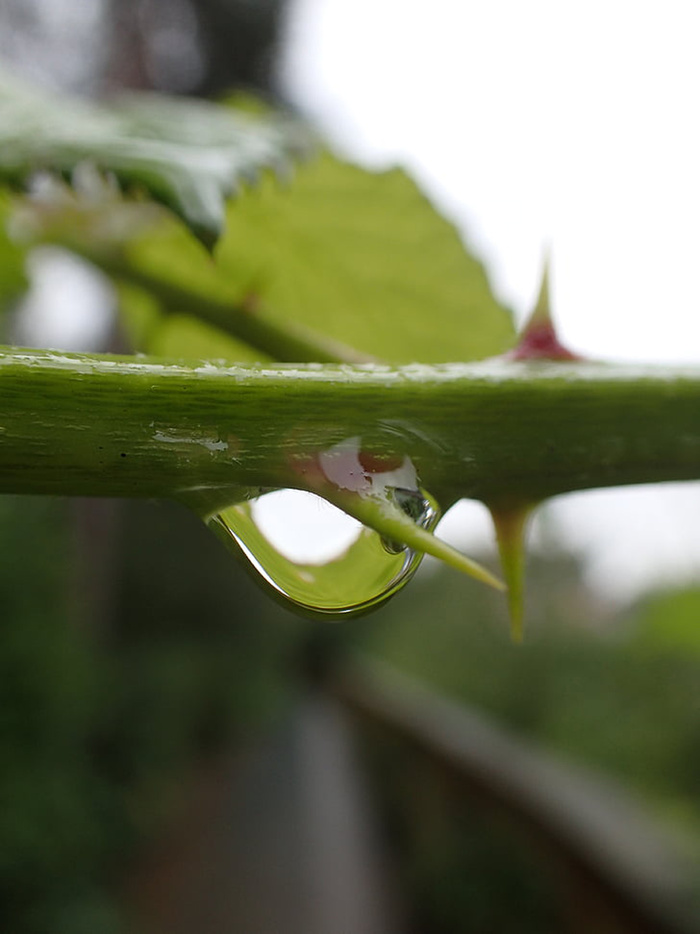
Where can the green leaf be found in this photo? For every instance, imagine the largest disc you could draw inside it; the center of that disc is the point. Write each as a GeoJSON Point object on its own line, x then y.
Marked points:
{"type": "Point", "coordinates": [335, 255]}
{"type": "Point", "coordinates": [189, 155]}
{"type": "Point", "coordinates": [360, 257]}
{"type": "Point", "coordinates": [366, 259]}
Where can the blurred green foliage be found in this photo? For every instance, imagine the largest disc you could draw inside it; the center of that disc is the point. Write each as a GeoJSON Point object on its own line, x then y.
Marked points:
{"type": "Point", "coordinates": [100, 720]}
{"type": "Point", "coordinates": [616, 692]}
{"type": "Point", "coordinates": [56, 830]}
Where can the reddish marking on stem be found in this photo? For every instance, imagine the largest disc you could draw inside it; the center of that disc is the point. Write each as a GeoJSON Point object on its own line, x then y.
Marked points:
{"type": "Point", "coordinates": [308, 468]}
{"type": "Point", "coordinates": [251, 303]}
{"type": "Point", "coordinates": [540, 342]}
{"type": "Point", "coordinates": [379, 463]}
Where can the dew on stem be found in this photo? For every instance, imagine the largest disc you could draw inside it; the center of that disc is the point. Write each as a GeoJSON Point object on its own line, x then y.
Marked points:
{"type": "Point", "coordinates": [381, 526]}
{"type": "Point", "coordinates": [313, 557]}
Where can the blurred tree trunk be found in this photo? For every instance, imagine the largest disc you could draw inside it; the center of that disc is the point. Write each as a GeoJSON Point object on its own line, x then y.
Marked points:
{"type": "Point", "coordinates": [239, 43]}
{"type": "Point", "coordinates": [203, 47]}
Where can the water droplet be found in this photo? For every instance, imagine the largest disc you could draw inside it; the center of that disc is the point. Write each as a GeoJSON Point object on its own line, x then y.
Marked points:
{"type": "Point", "coordinates": [417, 506]}
{"type": "Point", "coordinates": [314, 557]}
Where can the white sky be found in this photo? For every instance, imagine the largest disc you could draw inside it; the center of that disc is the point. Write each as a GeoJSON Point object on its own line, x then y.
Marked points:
{"type": "Point", "coordinates": [573, 125]}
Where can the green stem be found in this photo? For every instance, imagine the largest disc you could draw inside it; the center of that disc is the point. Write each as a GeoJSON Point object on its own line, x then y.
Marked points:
{"type": "Point", "coordinates": [498, 431]}
{"type": "Point", "coordinates": [280, 340]}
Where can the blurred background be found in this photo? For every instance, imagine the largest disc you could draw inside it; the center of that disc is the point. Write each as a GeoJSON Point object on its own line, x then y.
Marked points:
{"type": "Point", "coordinates": [173, 753]}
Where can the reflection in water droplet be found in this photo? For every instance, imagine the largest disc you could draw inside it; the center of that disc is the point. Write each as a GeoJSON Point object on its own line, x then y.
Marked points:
{"type": "Point", "coordinates": [303, 527]}
{"type": "Point", "coordinates": [418, 507]}
{"type": "Point", "coordinates": [314, 557]}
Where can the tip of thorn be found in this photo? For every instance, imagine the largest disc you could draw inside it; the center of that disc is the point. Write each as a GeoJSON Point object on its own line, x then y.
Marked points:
{"type": "Point", "coordinates": [516, 635]}
{"type": "Point", "coordinates": [516, 601]}
{"type": "Point", "coordinates": [542, 311]}
{"type": "Point", "coordinates": [538, 339]}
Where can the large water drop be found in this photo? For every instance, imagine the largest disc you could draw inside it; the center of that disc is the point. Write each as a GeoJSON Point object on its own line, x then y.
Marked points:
{"type": "Point", "coordinates": [316, 559]}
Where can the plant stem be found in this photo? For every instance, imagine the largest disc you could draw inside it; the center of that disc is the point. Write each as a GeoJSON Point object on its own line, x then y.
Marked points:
{"type": "Point", "coordinates": [280, 340]}
{"type": "Point", "coordinates": [500, 431]}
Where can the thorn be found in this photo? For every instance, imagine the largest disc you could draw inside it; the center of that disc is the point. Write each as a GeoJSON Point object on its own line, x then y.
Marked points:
{"type": "Point", "coordinates": [542, 312]}
{"type": "Point", "coordinates": [538, 339]}
{"type": "Point", "coordinates": [511, 525]}
{"type": "Point", "coordinates": [384, 517]}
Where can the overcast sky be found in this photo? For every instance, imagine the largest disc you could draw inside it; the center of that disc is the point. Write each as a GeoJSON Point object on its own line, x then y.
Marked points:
{"type": "Point", "coordinates": [573, 125]}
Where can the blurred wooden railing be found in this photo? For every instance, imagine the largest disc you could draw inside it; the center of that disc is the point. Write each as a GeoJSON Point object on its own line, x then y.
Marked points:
{"type": "Point", "coordinates": [581, 824]}
{"type": "Point", "coordinates": [285, 837]}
